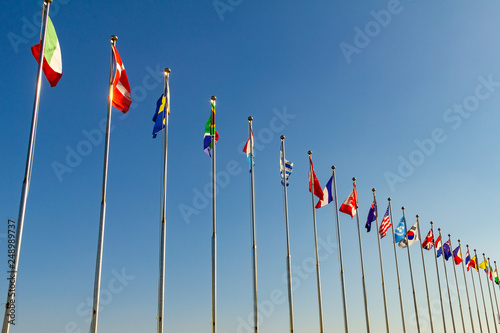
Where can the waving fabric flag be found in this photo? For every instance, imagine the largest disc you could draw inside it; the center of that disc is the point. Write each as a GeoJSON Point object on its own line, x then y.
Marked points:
{"type": "Point", "coordinates": [210, 131]}
{"type": "Point", "coordinates": [495, 274]}
{"type": "Point", "coordinates": [327, 194]}
{"type": "Point", "coordinates": [438, 246]}
{"type": "Point", "coordinates": [287, 169]}
{"type": "Point", "coordinates": [52, 60]}
{"type": "Point", "coordinates": [467, 260]}
{"type": "Point", "coordinates": [484, 265]}
{"type": "Point", "coordinates": [317, 187]}
{"type": "Point", "coordinates": [162, 110]}
{"type": "Point", "coordinates": [350, 205]}
{"type": "Point", "coordinates": [121, 87]}
{"type": "Point", "coordinates": [457, 255]}
{"type": "Point", "coordinates": [411, 237]}
{"type": "Point", "coordinates": [385, 225]}
{"type": "Point", "coordinates": [372, 216]}
{"type": "Point", "coordinates": [246, 149]}
{"type": "Point", "coordinates": [400, 231]}
{"type": "Point", "coordinates": [428, 241]}
{"type": "Point", "coordinates": [447, 250]}
{"type": "Point", "coordinates": [473, 263]}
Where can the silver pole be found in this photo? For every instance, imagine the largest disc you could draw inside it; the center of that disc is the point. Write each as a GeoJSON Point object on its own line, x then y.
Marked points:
{"type": "Point", "coordinates": [367, 318]}
{"type": "Point", "coordinates": [489, 292]}
{"type": "Point", "coordinates": [397, 269]}
{"type": "Point", "coordinates": [425, 276]}
{"type": "Point", "coordinates": [381, 266]}
{"type": "Point", "coordinates": [456, 284]}
{"type": "Point", "coordinates": [163, 233]}
{"type": "Point", "coordinates": [439, 281]}
{"type": "Point", "coordinates": [288, 256]}
{"type": "Point", "coordinates": [466, 289]}
{"type": "Point", "coordinates": [447, 284]}
{"type": "Point", "coordinates": [475, 295]}
{"type": "Point", "coordinates": [339, 245]}
{"type": "Point", "coordinates": [97, 280]}
{"type": "Point", "coordinates": [318, 279]}
{"type": "Point", "coordinates": [495, 293]}
{"type": "Point", "coordinates": [482, 294]}
{"type": "Point", "coordinates": [11, 290]}
{"type": "Point", "coordinates": [254, 231]}
{"type": "Point", "coordinates": [411, 273]}
{"type": "Point", "coordinates": [214, 238]}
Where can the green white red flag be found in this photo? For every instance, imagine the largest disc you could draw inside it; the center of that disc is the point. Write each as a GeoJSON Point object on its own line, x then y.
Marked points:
{"type": "Point", "coordinates": [52, 60]}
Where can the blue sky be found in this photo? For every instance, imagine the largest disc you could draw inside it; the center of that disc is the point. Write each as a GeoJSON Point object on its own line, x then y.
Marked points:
{"type": "Point", "coordinates": [407, 106]}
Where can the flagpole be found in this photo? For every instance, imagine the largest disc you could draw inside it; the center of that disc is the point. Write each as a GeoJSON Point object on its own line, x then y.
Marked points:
{"type": "Point", "coordinates": [439, 281]}
{"type": "Point", "coordinates": [456, 284]}
{"type": "Point", "coordinates": [97, 280]}
{"type": "Point", "coordinates": [447, 284]}
{"type": "Point", "coordinates": [288, 256]}
{"type": "Point", "coordinates": [214, 235]}
{"type": "Point", "coordinates": [339, 245]}
{"type": "Point", "coordinates": [466, 288]}
{"type": "Point", "coordinates": [475, 295]}
{"type": "Point", "coordinates": [367, 318]}
{"type": "Point", "coordinates": [494, 292]}
{"type": "Point", "coordinates": [163, 232]}
{"type": "Point", "coordinates": [318, 279]}
{"type": "Point", "coordinates": [27, 177]}
{"type": "Point", "coordinates": [482, 294]}
{"type": "Point", "coordinates": [397, 269]}
{"type": "Point", "coordinates": [254, 231]}
{"type": "Point", "coordinates": [381, 266]}
{"type": "Point", "coordinates": [489, 292]}
{"type": "Point", "coordinates": [425, 276]}
{"type": "Point", "coordinates": [411, 273]}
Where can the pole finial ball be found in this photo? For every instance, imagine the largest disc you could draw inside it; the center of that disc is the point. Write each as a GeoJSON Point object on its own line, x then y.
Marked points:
{"type": "Point", "coordinates": [48, 1]}
{"type": "Point", "coordinates": [282, 137]}
{"type": "Point", "coordinates": [250, 118]}
{"type": "Point", "coordinates": [213, 98]}
{"type": "Point", "coordinates": [403, 208]}
{"type": "Point", "coordinates": [449, 235]}
{"type": "Point", "coordinates": [167, 71]}
{"type": "Point", "coordinates": [114, 38]}
{"type": "Point", "coordinates": [353, 179]}
{"type": "Point", "coordinates": [439, 229]}
{"type": "Point", "coordinates": [333, 167]}
{"type": "Point", "coordinates": [309, 153]}
{"type": "Point", "coordinates": [432, 223]}
{"type": "Point", "coordinates": [417, 216]}
{"type": "Point", "coordinates": [388, 199]}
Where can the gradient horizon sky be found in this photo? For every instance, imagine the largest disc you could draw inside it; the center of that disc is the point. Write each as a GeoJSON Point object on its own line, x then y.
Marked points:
{"type": "Point", "coordinates": [399, 94]}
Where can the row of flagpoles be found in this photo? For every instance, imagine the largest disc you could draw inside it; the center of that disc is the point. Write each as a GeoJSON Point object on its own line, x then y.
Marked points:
{"type": "Point", "coordinates": [48, 54]}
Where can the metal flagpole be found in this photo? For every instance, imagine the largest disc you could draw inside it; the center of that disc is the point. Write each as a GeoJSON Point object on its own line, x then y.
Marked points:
{"type": "Point", "coordinates": [447, 284]}
{"type": "Point", "coordinates": [482, 294]}
{"type": "Point", "coordinates": [397, 269]}
{"type": "Point", "coordinates": [425, 276]}
{"type": "Point", "coordinates": [367, 318]}
{"type": "Point", "coordinates": [163, 232]}
{"type": "Point", "coordinates": [288, 256]}
{"type": "Point", "coordinates": [494, 292]}
{"type": "Point", "coordinates": [439, 282]}
{"type": "Point", "coordinates": [475, 295]}
{"type": "Point", "coordinates": [381, 266]}
{"type": "Point", "coordinates": [27, 178]}
{"type": "Point", "coordinates": [411, 272]}
{"type": "Point", "coordinates": [489, 292]}
{"type": "Point", "coordinates": [466, 289]}
{"type": "Point", "coordinates": [318, 279]}
{"type": "Point", "coordinates": [456, 284]}
{"type": "Point", "coordinates": [339, 244]}
{"type": "Point", "coordinates": [254, 230]}
{"type": "Point", "coordinates": [97, 281]}
{"type": "Point", "coordinates": [214, 235]}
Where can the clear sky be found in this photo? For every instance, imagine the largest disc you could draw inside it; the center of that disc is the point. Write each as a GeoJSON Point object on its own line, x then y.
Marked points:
{"type": "Point", "coordinates": [402, 95]}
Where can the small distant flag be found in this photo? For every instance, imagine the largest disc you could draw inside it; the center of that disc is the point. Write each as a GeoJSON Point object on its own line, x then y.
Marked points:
{"type": "Point", "coordinates": [495, 274]}
{"type": "Point", "coordinates": [484, 265]}
{"type": "Point", "coordinates": [317, 187]}
{"type": "Point", "coordinates": [428, 241]}
{"type": "Point", "coordinates": [447, 250]}
{"type": "Point", "coordinates": [327, 194]}
{"type": "Point", "coordinates": [121, 87]}
{"type": "Point", "coordinates": [286, 169]}
{"type": "Point", "coordinates": [437, 245]}
{"type": "Point", "coordinates": [467, 260]}
{"type": "Point", "coordinates": [249, 144]}
{"type": "Point", "coordinates": [350, 205]}
{"type": "Point", "coordinates": [385, 225]}
{"type": "Point", "coordinates": [411, 237]}
{"type": "Point", "coordinates": [52, 60]}
{"type": "Point", "coordinates": [161, 112]}
{"type": "Point", "coordinates": [372, 216]}
{"type": "Point", "coordinates": [400, 231]}
{"type": "Point", "coordinates": [473, 263]}
{"type": "Point", "coordinates": [457, 255]}
{"type": "Point", "coordinates": [210, 131]}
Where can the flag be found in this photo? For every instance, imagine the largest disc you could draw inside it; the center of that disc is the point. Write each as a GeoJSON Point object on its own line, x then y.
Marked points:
{"type": "Point", "coordinates": [468, 262]}
{"type": "Point", "coordinates": [411, 237]}
{"type": "Point", "coordinates": [327, 194]}
{"type": "Point", "coordinates": [121, 87]}
{"type": "Point", "coordinates": [437, 245]}
{"type": "Point", "coordinates": [287, 169]}
{"type": "Point", "coordinates": [52, 60]}
{"type": "Point", "coordinates": [317, 187]}
{"type": "Point", "coordinates": [484, 265]}
{"type": "Point", "coordinates": [400, 231]}
{"type": "Point", "coordinates": [495, 274]}
{"type": "Point", "coordinates": [210, 131]}
{"type": "Point", "coordinates": [385, 224]}
{"type": "Point", "coordinates": [162, 110]}
{"type": "Point", "coordinates": [447, 250]}
{"type": "Point", "coordinates": [247, 149]}
{"type": "Point", "coordinates": [457, 255]}
{"type": "Point", "coordinates": [428, 241]}
{"type": "Point", "coordinates": [350, 205]}
{"type": "Point", "coordinates": [473, 263]}
{"type": "Point", "coordinates": [372, 216]}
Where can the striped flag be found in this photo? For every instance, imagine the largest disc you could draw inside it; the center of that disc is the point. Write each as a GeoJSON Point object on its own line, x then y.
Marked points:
{"type": "Point", "coordinates": [287, 169]}
{"type": "Point", "coordinates": [428, 241]}
{"type": "Point", "coordinates": [439, 248]}
{"type": "Point", "coordinates": [52, 60]}
{"type": "Point", "coordinates": [457, 255]}
{"type": "Point", "coordinates": [385, 225]}
{"type": "Point", "coordinates": [327, 194]}
{"type": "Point", "coordinates": [121, 87]}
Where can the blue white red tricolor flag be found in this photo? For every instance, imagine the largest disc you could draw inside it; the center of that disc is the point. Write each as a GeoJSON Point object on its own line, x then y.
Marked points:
{"type": "Point", "coordinates": [327, 194]}
{"type": "Point", "coordinates": [439, 247]}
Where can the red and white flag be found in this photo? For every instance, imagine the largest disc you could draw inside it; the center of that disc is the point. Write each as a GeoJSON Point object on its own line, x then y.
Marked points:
{"type": "Point", "coordinates": [121, 87]}
{"type": "Point", "coordinates": [385, 225]}
{"type": "Point", "coordinates": [428, 241]}
{"type": "Point", "coordinates": [350, 205]}
{"type": "Point", "coordinates": [318, 190]}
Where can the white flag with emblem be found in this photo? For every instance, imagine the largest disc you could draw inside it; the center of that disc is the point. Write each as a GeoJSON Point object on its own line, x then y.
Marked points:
{"type": "Point", "coordinates": [411, 237]}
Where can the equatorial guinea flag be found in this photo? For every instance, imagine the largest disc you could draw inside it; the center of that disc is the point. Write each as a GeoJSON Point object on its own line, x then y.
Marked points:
{"type": "Point", "coordinates": [52, 60]}
{"type": "Point", "coordinates": [121, 87]}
